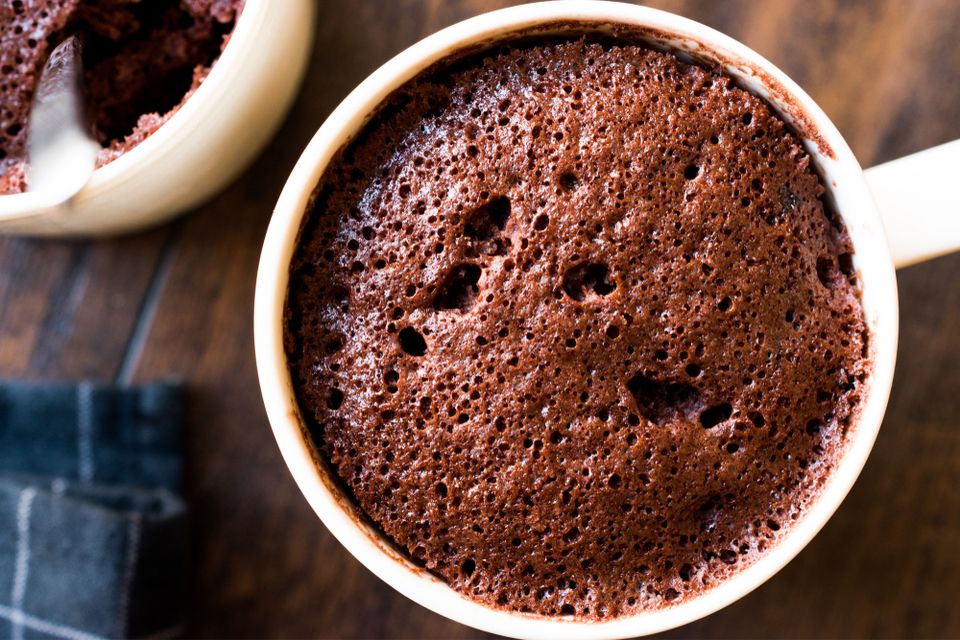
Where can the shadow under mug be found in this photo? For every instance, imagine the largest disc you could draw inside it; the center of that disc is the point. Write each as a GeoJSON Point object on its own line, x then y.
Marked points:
{"type": "Point", "coordinates": [210, 140]}
{"type": "Point", "coordinates": [914, 205]}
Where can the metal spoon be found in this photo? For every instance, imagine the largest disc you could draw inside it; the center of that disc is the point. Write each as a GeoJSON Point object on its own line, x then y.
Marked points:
{"type": "Point", "coordinates": [61, 151]}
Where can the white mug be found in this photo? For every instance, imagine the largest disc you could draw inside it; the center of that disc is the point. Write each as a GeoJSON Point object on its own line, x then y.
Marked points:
{"type": "Point", "coordinates": [918, 205]}
{"type": "Point", "coordinates": [201, 148]}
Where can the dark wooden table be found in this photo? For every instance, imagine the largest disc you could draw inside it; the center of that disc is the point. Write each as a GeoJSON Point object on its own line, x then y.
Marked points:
{"type": "Point", "coordinates": [177, 300]}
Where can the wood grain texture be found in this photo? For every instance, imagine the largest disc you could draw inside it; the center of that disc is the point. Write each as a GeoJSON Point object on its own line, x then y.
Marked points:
{"type": "Point", "coordinates": [177, 302]}
{"type": "Point", "coordinates": [67, 310]}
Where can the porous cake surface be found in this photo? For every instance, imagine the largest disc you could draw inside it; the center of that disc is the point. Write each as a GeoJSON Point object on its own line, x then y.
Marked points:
{"type": "Point", "coordinates": [574, 328]}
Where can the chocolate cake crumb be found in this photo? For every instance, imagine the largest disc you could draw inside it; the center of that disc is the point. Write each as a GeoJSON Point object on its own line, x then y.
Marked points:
{"type": "Point", "coordinates": [142, 61]}
{"type": "Point", "coordinates": [572, 324]}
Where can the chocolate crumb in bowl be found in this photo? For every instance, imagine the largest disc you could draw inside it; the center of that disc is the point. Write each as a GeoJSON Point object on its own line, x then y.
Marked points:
{"type": "Point", "coordinates": [572, 324]}
{"type": "Point", "coordinates": [143, 60]}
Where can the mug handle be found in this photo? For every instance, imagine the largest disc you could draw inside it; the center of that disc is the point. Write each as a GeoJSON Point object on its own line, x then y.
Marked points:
{"type": "Point", "coordinates": [919, 201]}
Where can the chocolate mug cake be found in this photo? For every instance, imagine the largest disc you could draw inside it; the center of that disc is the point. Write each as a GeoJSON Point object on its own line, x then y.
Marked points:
{"type": "Point", "coordinates": [573, 326]}
{"type": "Point", "coordinates": [142, 60]}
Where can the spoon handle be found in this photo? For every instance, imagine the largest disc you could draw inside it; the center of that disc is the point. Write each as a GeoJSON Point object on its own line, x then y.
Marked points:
{"type": "Point", "coordinates": [61, 151]}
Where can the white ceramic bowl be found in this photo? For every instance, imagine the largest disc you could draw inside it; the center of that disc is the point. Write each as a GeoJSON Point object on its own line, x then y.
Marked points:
{"type": "Point", "coordinates": [202, 147]}
{"type": "Point", "coordinates": [846, 188]}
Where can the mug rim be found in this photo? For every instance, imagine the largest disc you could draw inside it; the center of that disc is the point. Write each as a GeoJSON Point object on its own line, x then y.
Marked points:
{"type": "Point", "coordinates": [180, 125]}
{"type": "Point", "coordinates": [846, 187]}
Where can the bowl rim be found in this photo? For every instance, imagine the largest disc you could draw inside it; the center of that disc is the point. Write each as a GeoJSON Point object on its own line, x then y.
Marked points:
{"type": "Point", "coordinates": [845, 185]}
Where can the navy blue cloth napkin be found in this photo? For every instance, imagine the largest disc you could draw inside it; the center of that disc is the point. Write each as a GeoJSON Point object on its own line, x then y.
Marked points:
{"type": "Point", "coordinates": [93, 532]}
